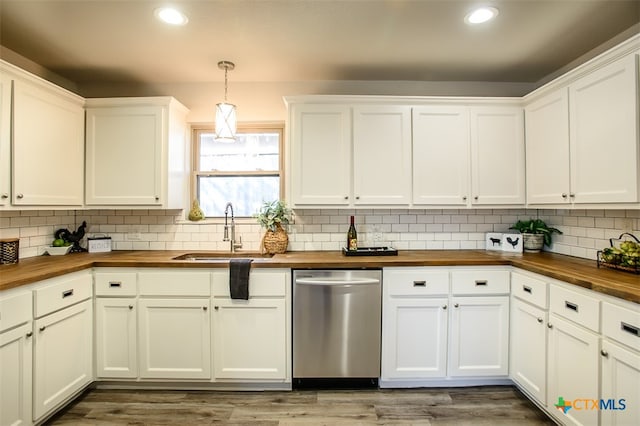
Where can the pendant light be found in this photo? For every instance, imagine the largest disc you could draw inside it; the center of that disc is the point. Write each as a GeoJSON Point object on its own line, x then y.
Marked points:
{"type": "Point", "coordinates": [225, 112]}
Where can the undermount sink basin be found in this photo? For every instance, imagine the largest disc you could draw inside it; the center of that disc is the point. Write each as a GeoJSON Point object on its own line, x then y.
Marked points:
{"type": "Point", "coordinates": [221, 256]}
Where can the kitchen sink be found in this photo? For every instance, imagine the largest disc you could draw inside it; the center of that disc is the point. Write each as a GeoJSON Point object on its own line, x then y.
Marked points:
{"type": "Point", "coordinates": [222, 256]}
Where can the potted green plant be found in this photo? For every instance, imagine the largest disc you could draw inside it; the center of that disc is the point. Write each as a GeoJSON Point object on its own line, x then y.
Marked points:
{"type": "Point", "coordinates": [271, 216]}
{"type": "Point", "coordinates": [535, 234]}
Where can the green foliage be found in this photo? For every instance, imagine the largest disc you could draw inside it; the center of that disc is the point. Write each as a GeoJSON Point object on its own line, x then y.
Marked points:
{"type": "Point", "coordinates": [536, 226]}
{"type": "Point", "coordinates": [272, 213]}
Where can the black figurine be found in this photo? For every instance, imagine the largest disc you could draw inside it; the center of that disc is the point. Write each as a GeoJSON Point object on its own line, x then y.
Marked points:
{"type": "Point", "coordinates": [73, 237]}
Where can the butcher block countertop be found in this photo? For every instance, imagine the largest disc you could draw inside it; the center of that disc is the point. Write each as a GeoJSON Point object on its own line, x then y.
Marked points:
{"type": "Point", "coordinates": [581, 272]}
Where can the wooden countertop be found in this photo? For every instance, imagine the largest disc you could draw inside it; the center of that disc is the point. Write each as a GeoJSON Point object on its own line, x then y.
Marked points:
{"type": "Point", "coordinates": [581, 272]}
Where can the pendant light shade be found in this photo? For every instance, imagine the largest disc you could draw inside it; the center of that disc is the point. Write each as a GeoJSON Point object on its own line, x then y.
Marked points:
{"type": "Point", "coordinates": [225, 112]}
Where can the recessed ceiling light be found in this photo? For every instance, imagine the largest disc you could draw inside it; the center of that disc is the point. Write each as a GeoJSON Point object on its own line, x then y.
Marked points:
{"type": "Point", "coordinates": [171, 16]}
{"type": "Point", "coordinates": [480, 15]}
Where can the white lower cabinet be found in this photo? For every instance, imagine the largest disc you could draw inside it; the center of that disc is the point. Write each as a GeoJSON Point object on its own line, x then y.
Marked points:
{"type": "Point", "coordinates": [529, 348]}
{"type": "Point", "coordinates": [572, 376]}
{"type": "Point", "coordinates": [479, 336]}
{"type": "Point", "coordinates": [174, 340]}
{"type": "Point", "coordinates": [116, 338]}
{"type": "Point", "coordinates": [249, 339]}
{"type": "Point", "coordinates": [15, 375]}
{"type": "Point", "coordinates": [62, 356]}
{"type": "Point", "coordinates": [620, 375]}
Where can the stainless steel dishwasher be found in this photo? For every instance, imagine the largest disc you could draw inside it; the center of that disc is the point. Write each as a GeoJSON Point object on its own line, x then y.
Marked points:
{"type": "Point", "coordinates": [336, 327]}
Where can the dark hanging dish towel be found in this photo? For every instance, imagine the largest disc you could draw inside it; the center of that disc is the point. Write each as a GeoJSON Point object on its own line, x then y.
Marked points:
{"type": "Point", "coordinates": [239, 278]}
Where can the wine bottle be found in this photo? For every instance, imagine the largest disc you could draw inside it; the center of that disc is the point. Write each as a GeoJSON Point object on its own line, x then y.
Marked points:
{"type": "Point", "coordinates": [352, 236]}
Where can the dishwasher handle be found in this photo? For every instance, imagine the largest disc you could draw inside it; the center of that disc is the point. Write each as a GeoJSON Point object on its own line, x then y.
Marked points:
{"type": "Point", "coordinates": [329, 282]}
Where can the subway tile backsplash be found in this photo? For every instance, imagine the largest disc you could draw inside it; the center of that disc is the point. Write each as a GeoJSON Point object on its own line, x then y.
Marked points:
{"type": "Point", "coordinates": [584, 231]}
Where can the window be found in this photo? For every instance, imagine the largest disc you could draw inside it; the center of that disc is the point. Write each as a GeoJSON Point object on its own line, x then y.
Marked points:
{"type": "Point", "coordinates": [247, 172]}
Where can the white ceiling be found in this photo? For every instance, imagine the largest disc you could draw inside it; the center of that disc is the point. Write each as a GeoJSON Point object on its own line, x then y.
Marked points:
{"type": "Point", "coordinates": [98, 41]}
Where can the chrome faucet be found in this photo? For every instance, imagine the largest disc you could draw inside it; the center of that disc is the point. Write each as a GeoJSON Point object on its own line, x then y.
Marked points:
{"type": "Point", "coordinates": [234, 245]}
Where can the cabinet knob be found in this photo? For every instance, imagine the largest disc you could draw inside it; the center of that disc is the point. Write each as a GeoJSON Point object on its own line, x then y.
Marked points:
{"type": "Point", "coordinates": [564, 195]}
{"type": "Point", "coordinates": [456, 305]}
{"type": "Point", "coordinates": [20, 196]}
{"type": "Point", "coordinates": [204, 308]}
{"type": "Point", "coordinates": [130, 307]}
{"type": "Point", "coordinates": [43, 328]}
{"type": "Point", "coordinates": [464, 198]}
{"type": "Point", "coordinates": [29, 334]}
{"type": "Point", "coordinates": [157, 198]}
{"type": "Point", "coordinates": [5, 196]}
{"type": "Point", "coordinates": [444, 306]}
{"type": "Point", "coordinates": [540, 320]}
{"type": "Point", "coordinates": [346, 197]}
{"type": "Point", "coordinates": [604, 353]}
{"type": "Point", "coordinates": [357, 197]}
{"type": "Point", "coordinates": [572, 195]}
{"type": "Point", "coordinates": [549, 325]}
{"type": "Point", "coordinates": [215, 307]}
{"type": "Point", "coordinates": [475, 198]}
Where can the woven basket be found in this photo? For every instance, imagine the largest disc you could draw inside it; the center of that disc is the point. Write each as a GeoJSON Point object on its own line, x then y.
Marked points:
{"type": "Point", "coordinates": [274, 242]}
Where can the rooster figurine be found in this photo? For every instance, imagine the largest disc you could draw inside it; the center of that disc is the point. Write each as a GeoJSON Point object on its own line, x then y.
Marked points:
{"type": "Point", "coordinates": [73, 237]}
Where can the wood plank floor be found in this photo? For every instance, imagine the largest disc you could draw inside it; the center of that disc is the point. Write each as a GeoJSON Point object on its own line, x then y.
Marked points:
{"type": "Point", "coordinates": [492, 405]}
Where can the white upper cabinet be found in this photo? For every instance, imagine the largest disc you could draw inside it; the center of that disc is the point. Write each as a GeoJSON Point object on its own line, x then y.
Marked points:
{"type": "Point", "coordinates": [137, 153]}
{"type": "Point", "coordinates": [382, 155]}
{"type": "Point", "coordinates": [497, 155]}
{"type": "Point", "coordinates": [440, 155]}
{"type": "Point", "coordinates": [547, 133]}
{"type": "Point", "coordinates": [5, 139]}
{"type": "Point", "coordinates": [320, 152]}
{"type": "Point", "coordinates": [47, 146]}
{"type": "Point", "coordinates": [605, 152]}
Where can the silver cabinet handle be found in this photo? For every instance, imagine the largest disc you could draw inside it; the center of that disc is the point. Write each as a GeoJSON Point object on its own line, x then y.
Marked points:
{"type": "Point", "coordinates": [527, 289]}
{"type": "Point", "coordinates": [204, 308]}
{"type": "Point", "coordinates": [346, 197]}
{"type": "Point", "coordinates": [215, 307]}
{"type": "Point", "coordinates": [67, 293]}
{"type": "Point", "coordinates": [475, 198]}
{"type": "Point", "coordinates": [357, 197]}
{"type": "Point", "coordinates": [20, 196]}
{"type": "Point", "coordinates": [444, 306]}
{"type": "Point", "coordinates": [419, 283]}
{"type": "Point", "coordinates": [604, 353]}
{"type": "Point", "coordinates": [130, 307]}
{"type": "Point", "coordinates": [482, 282]}
{"type": "Point", "coordinates": [572, 195]}
{"type": "Point", "coordinates": [43, 328]}
{"type": "Point", "coordinates": [570, 305]}
{"type": "Point", "coordinates": [29, 334]}
{"type": "Point", "coordinates": [464, 198]}
{"type": "Point", "coordinates": [157, 198]}
{"type": "Point", "coordinates": [564, 195]}
{"type": "Point", "coordinates": [115, 283]}
{"type": "Point", "coordinates": [549, 325]}
{"type": "Point", "coordinates": [629, 328]}
{"type": "Point", "coordinates": [5, 196]}
{"type": "Point", "coordinates": [456, 305]}
{"type": "Point", "coordinates": [540, 320]}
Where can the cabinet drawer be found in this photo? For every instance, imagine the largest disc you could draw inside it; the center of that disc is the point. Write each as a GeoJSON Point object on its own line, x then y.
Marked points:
{"type": "Point", "coordinates": [15, 309]}
{"type": "Point", "coordinates": [577, 307]}
{"type": "Point", "coordinates": [116, 284]}
{"type": "Point", "coordinates": [479, 281]}
{"type": "Point", "coordinates": [415, 282]}
{"type": "Point", "coordinates": [62, 292]}
{"type": "Point", "coordinates": [621, 324]}
{"type": "Point", "coordinates": [170, 283]}
{"type": "Point", "coordinates": [261, 283]}
{"type": "Point", "coordinates": [529, 289]}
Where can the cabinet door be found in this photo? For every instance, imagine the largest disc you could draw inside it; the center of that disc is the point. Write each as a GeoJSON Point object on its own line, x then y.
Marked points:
{"type": "Point", "coordinates": [250, 339]}
{"type": "Point", "coordinates": [48, 147]}
{"type": "Point", "coordinates": [528, 356]}
{"type": "Point", "coordinates": [479, 337]}
{"type": "Point", "coordinates": [547, 133]}
{"type": "Point", "coordinates": [15, 376]}
{"type": "Point", "coordinates": [604, 134]}
{"type": "Point", "coordinates": [620, 375]}
{"type": "Point", "coordinates": [124, 155]}
{"type": "Point", "coordinates": [382, 155]}
{"type": "Point", "coordinates": [175, 338]}
{"type": "Point", "coordinates": [63, 356]}
{"type": "Point", "coordinates": [414, 338]}
{"type": "Point", "coordinates": [116, 354]}
{"type": "Point", "coordinates": [572, 373]}
{"type": "Point", "coordinates": [5, 139]}
{"type": "Point", "coordinates": [320, 155]}
{"type": "Point", "coordinates": [440, 155]}
{"type": "Point", "coordinates": [497, 155]}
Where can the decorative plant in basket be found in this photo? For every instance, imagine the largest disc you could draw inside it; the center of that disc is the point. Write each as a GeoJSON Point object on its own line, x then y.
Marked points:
{"type": "Point", "coordinates": [271, 216]}
{"type": "Point", "coordinates": [535, 234]}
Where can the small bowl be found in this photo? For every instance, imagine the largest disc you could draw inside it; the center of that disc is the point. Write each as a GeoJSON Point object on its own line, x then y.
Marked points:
{"type": "Point", "coordinates": [58, 251]}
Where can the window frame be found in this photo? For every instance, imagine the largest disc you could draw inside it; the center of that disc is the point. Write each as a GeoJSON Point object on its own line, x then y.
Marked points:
{"type": "Point", "coordinates": [267, 127]}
